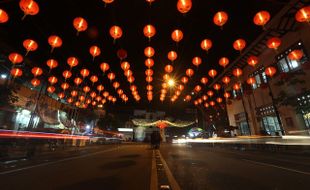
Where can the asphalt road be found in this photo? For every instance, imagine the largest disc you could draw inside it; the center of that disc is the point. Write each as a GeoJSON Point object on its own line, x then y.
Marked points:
{"type": "Point", "coordinates": [130, 167]}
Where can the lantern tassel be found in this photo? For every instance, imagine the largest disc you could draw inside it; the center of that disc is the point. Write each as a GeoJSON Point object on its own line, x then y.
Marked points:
{"type": "Point", "coordinates": [26, 53]}
{"type": "Point", "coordinates": [24, 16]}
{"type": "Point", "coordinates": [52, 49]}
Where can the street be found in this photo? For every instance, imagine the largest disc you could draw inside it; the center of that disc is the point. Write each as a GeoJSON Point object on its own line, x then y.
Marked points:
{"type": "Point", "coordinates": [129, 167]}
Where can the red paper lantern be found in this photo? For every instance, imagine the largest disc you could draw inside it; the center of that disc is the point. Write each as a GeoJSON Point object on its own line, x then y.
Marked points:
{"type": "Point", "coordinates": [125, 65]}
{"type": "Point", "coordinates": [197, 88]}
{"type": "Point", "coordinates": [36, 71]}
{"type": "Point", "coordinates": [80, 24]}
{"type": "Point", "coordinates": [261, 18]}
{"type": "Point", "coordinates": [149, 51]}
{"type": "Point", "coordinates": [35, 82]}
{"type": "Point", "coordinates": [177, 35]}
{"type": "Point", "coordinates": [72, 61]}
{"type": "Point", "coordinates": [219, 100]}
{"type": "Point", "coordinates": [100, 88]}
{"type": "Point", "coordinates": [67, 74]}
{"type": "Point", "coordinates": [84, 72]}
{"type": "Point", "coordinates": [104, 67]}
{"type": "Point", "coordinates": [172, 55]}
{"type": "Point", "coordinates": [52, 80]}
{"type": "Point", "coordinates": [30, 45]}
{"type": "Point", "coordinates": [128, 73]}
{"type": "Point", "coordinates": [237, 72]}
{"type": "Point", "coordinates": [226, 80]}
{"type": "Point", "coordinates": [52, 63]}
{"type": "Point", "coordinates": [274, 43]}
{"type": "Point", "coordinates": [149, 72]}
{"type": "Point", "coordinates": [149, 62]}
{"type": "Point", "coordinates": [251, 80]}
{"type": "Point", "coordinates": [239, 44]}
{"type": "Point", "coordinates": [217, 86]}
{"type": "Point", "coordinates": [16, 58]}
{"type": "Point", "coordinates": [149, 79]}
{"type": "Point", "coordinates": [16, 72]}
{"type": "Point", "coordinates": [212, 73]}
{"type": "Point", "coordinates": [149, 31]}
{"type": "Point", "coordinates": [303, 14]}
{"type": "Point", "coordinates": [295, 55]}
{"type": "Point", "coordinates": [86, 89]}
{"type": "Point", "coordinates": [93, 79]}
{"type": "Point", "coordinates": [226, 94]}
{"type": "Point", "coordinates": [224, 61]}
{"type": "Point", "coordinates": [204, 80]}
{"type": "Point", "coordinates": [116, 32]}
{"type": "Point", "coordinates": [236, 86]}
{"type": "Point", "coordinates": [111, 76]}
{"type": "Point", "coordinates": [166, 77]}
{"type": "Point", "coordinates": [210, 93]}
{"type": "Point", "coordinates": [133, 87]}
{"type": "Point", "coordinates": [94, 51]}
{"type": "Point", "coordinates": [184, 6]}
{"type": "Point", "coordinates": [116, 84]}
{"type": "Point", "coordinates": [78, 81]}
{"type": "Point", "coordinates": [4, 17]}
{"type": "Point", "coordinates": [149, 87]}
{"type": "Point", "coordinates": [168, 68]}
{"type": "Point", "coordinates": [270, 71]}
{"type": "Point", "coordinates": [131, 79]}
{"type": "Point", "coordinates": [54, 41]}
{"type": "Point", "coordinates": [253, 60]}
{"type": "Point", "coordinates": [184, 80]}
{"type": "Point", "coordinates": [206, 44]}
{"type": "Point", "coordinates": [29, 7]}
{"type": "Point", "coordinates": [196, 61]}
{"type": "Point", "coordinates": [220, 18]}
{"type": "Point", "coordinates": [51, 89]}
{"type": "Point", "coordinates": [65, 86]}
{"type": "Point", "coordinates": [108, 1]}
{"type": "Point", "coordinates": [189, 72]}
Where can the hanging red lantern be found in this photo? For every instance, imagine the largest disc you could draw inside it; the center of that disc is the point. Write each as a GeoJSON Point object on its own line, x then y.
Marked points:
{"type": "Point", "coordinates": [54, 41]}
{"type": "Point", "coordinates": [74, 93]}
{"type": "Point", "coordinates": [149, 79]}
{"type": "Point", "coordinates": [72, 61]}
{"type": "Point", "coordinates": [149, 51]}
{"type": "Point", "coordinates": [212, 73]}
{"type": "Point", "coordinates": [16, 72]}
{"type": "Point", "coordinates": [220, 18]}
{"type": "Point", "coordinates": [204, 80]}
{"type": "Point", "coordinates": [206, 105]}
{"type": "Point", "coordinates": [303, 14]}
{"type": "Point", "coordinates": [16, 58]}
{"type": "Point", "coordinates": [80, 24]}
{"type": "Point", "coordinates": [35, 82]}
{"type": "Point", "coordinates": [237, 72]}
{"type": "Point", "coordinates": [274, 43]}
{"type": "Point", "coordinates": [168, 68]}
{"type": "Point", "coordinates": [125, 65]}
{"type": "Point", "coordinates": [133, 87]}
{"type": "Point", "coordinates": [226, 80]}
{"type": "Point", "coordinates": [177, 35]}
{"type": "Point", "coordinates": [164, 85]}
{"type": "Point", "coordinates": [197, 88]}
{"type": "Point", "coordinates": [116, 84]}
{"type": "Point", "coordinates": [205, 97]}
{"type": "Point", "coordinates": [184, 6]}
{"type": "Point", "coordinates": [94, 51]}
{"type": "Point", "coordinates": [130, 79]}
{"type": "Point", "coordinates": [84, 72]}
{"type": "Point", "coordinates": [196, 61]}
{"type": "Point", "coordinates": [217, 86]}
{"type": "Point", "coordinates": [149, 31]}
{"type": "Point", "coordinates": [149, 72]}
{"type": "Point", "coordinates": [70, 100]}
{"type": "Point", "coordinates": [93, 79]}
{"type": "Point", "coordinates": [251, 80]}
{"type": "Point", "coordinates": [149, 87]}
{"type": "Point", "coordinates": [93, 95]}
{"type": "Point", "coordinates": [81, 98]}
{"type": "Point", "coordinates": [295, 55]}
{"type": "Point", "coordinates": [181, 87]}
{"type": "Point", "coordinates": [128, 73]}
{"type": "Point", "coordinates": [116, 32]}
{"type": "Point", "coordinates": [172, 55]}
{"type": "Point", "coordinates": [78, 81]}
{"type": "Point", "coordinates": [67, 74]}
{"type": "Point", "coordinates": [65, 86]}
{"type": "Point", "coordinates": [52, 80]}
{"type": "Point", "coordinates": [239, 44]}
{"type": "Point", "coordinates": [36, 71]}
{"type": "Point", "coordinates": [261, 18]}
{"type": "Point", "coordinates": [212, 103]}
{"type": "Point", "coordinates": [111, 76]}
{"type": "Point", "coordinates": [210, 93]}
{"type": "Point", "coordinates": [52, 63]}
{"type": "Point", "coordinates": [224, 61]}
{"type": "Point", "coordinates": [166, 77]}
{"type": "Point", "coordinates": [4, 17]}
{"type": "Point", "coordinates": [120, 92]}
{"type": "Point", "coordinates": [105, 94]}
{"type": "Point", "coordinates": [253, 60]}
{"type": "Point", "coordinates": [189, 72]}
{"type": "Point", "coordinates": [51, 89]}
{"type": "Point", "coordinates": [86, 89]}
{"type": "Point", "coordinates": [29, 7]}
{"type": "Point", "coordinates": [30, 45]}
{"type": "Point", "coordinates": [188, 98]}
{"type": "Point", "coordinates": [149, 62]}
{"type": "Point", "coordinates": [104, 67]}
{"type": "Point", "coordinates": [108, 1]}
{"type": "Point", "coordinates": [270, 71]}
{"type": "Point", "coordinates": [184, 80]}
{"type": "Point", "coordinates": [226, 94]}
{"type": "Point", "coordinates": [236, 86]}
{"type": "Point", "coordinates": [219, 100]}
{"type": "Point", "coordinates": [122, 54]}
{"type": "Point", "coordinates": [206, 44]}
{"type": "Point", "coordinates": [100, 88]}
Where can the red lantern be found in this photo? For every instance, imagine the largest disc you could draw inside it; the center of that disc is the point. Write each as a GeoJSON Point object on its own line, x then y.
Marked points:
{"type": "Point", "coordinates": [251, 80]}
{"type": "Point", "coordinates": [149, 72]}
{"type": "Point", "coordinates": [116, 32]}
{"type": "Point", "coordinates": [80, 24]}
{"type": "Point", "coordinates": [189, 72]}
{"type": "Point", "coordinates": [120, 92]}
{"type": "Point", "coordinates": [149, 79]}
{"type": "Point", "coordinates": [224, 61]}
{"type": "Point", "coordinates": [206, 44]}
{"type": "Point", "coordinates": [270, 71]}
{"type": "Point", "coordinates": [177, 35]}
{"type": "Point", "coordinates": [303, 14]}
{"type": "Point", "coordinates": [105, 94]}
{"type": "Point", "coordinates": [35, 82]}
{"type": "Point", "coordinates": [197, 88]}
{"type": "Point", "coordinates": [84, 72]}
{"type": "Point", "coordinates": [86, 89]}
{"type": "Point", "coordinates": [74, 93]}
{"type": "Point", "coordinates": [166, 77]}
{"type": "Point", "coordinates": [172, 55]}
{"type": "Point", "coordinates": [252, 60]}
{"type": "Point", "coordinates": [226, 95]}
{"type": "Point", "coordinates": [184, 80]}
{"type": "Point", "coordinates": [54, 41]}
{"type": "Point", "coordinates": [72, 61]}
{"type": "Point", "coordinates": [239, 44]}
{"type": "Point", "coordinates": [111, 76]}
{"type": "Point", "coordinates": [149, 62]}
{"type": "Point", "coordinates": [66, 74]}
{"type": "Point", "coordinates": [206, 105]}
{"type": "Point", "coordinates": [94, 51]}
{"type": "Point", "coordinates": [168, 68]}
{"type": "Point", "coordinates": [133, 87]}
{"type": "Point", "coordinates": [36, 71]}
{"type": "Point", "coordinates": [226, 80]}
{"type": "Point", "coordinates": [16, 72]}
{"type": "Point", "coordinates": [150, 1]}
{"type": "Point", "coordinates": [93, 79]}
{"type": "Point", "coordinates": [70, 100]}
{"type": "Point", "coordinates": [52, 63]}
{"type": "Point", "coordinates": [125, 65]}
{"type": "Point", "coordinates": [65, 86]}
{"type": "Point", "coordinates": [236, 86]}
{"type": "Point", "coordinates": [149, 31]}
{"type": "Point", "coordinates": [219, 100]}
{"type": "Point", "coordinates": [93, 95]}
{"type": "Point", "coordinates": [108, 1]}
{"type": "Point", "coordinates": [29, 7]}
{"type": "Point", "coordinates": [104, 67]}
{"type": "Point", "coordinates": [16, 58]}
{"type": "Point", "coordinates": [116, 84]}
{"type": "Point", "coordinates": [295, 55]}
{"type": "Point", "coordinates": [128, 73]}
{"type": "Point", "coordinates": [100, 88]}
{"type": "Point", "coordinates": [210, 93]}
{"type": "Point", "coordinates": [220, 18]}
{"type": "Point", "coordinates": [149, 51]}
{"type": "Point", "coordinates": [237, 72]}
{"type": "Point", "coordinates": [212, 73]}
{"type": "Point", "coordinates": [188, 98]}
{"type": "Point", "coordinates": [121, 54]}
{"type": "Point", "coordinates": [30, 45]}
{"type": "Point", "coordinates": [50, 89]}
{"type": "Point", "coordinates": [131, 79]}
{"type": "Point", "coordinates": [261, 18]}
{"type": "Point", "coordinates": [149, 87]}
{"type": "Point", "coordinates": [4, 17]}
{"type": "Point", "coordinates": [212, 103]}
{"type": "Point", "coordinates": [217, 86]}
{"type": "Point", "coordinates": [184, 6]}
{"type": "Point", "coordinates": [196, 61]}
{"type": "Point", "coordinates": [274, 43]}
{"type": "Point", "coordinates": [78, 81]}
{"type": "Point", "coordinates": [52, 80]}
{"type": "Point", "coordinates": [204, 80]}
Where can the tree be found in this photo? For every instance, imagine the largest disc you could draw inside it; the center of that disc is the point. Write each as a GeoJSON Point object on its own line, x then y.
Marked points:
{"type": "Point", "coordinates": [7, 95]}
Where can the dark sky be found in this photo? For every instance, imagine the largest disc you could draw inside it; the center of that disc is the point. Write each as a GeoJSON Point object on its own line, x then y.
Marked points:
{"type": "Point", "coordinates": [56, 16]}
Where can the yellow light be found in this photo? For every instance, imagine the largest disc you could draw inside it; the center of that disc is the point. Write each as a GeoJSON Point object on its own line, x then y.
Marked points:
{"type": "Point", "coordinates": [171, 82]}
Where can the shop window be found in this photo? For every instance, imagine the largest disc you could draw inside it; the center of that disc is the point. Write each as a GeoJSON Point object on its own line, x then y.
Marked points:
{"type": "Point", "coordinates": [240, 119]}
{"type": "Point", "coordinates": [260, 77]}
{"type": "Point", "coordinates": [269, 122]}
{"type": "Point", "coordinates": [303, 103]}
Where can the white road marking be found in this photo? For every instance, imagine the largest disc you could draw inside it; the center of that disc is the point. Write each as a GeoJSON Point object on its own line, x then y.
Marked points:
{"type": "Point", "coordinates": [154, 182]}
{"type": "Point", "coordinates": [279, 167]}
{"type": "Point", "coordinates": [58, 161]}
{"type": "Point", "coordinates": [171, 179]}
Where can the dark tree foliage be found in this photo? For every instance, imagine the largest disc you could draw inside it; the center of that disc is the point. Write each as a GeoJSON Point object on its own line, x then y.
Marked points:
{"type": "Point", "coordinates": [7, 96]}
